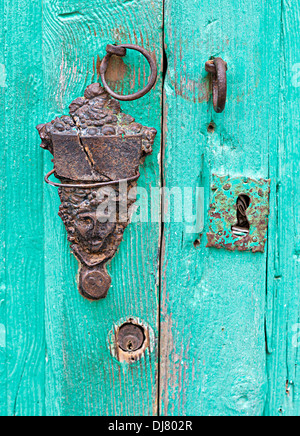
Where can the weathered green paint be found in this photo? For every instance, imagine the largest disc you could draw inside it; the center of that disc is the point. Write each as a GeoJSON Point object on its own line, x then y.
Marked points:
{"type": "Point", "coordinates": [223, 213]}
{"type": "Point", "coordinates": [217, 308]}
{"type": "Point", "coordinates": [213, 311]}
{"type": "Point", "coordinates": [3, 404]}
{"type": "Point", "coordinates": [81, 376]}
{"type": "Point", "coordinates": [22, 291]}
{"type": "Point", "coordinates": [283, 290]}
{"type": "Point", "coordinates": [50, 50]}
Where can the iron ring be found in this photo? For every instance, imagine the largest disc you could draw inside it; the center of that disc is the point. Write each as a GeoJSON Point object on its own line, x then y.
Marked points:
{"type": "Point", "coordinates": [87, 186]}
{"type": "Point", "coordinates": [218, 68]}
{"type": "Point", "coordinates": [120, 50]}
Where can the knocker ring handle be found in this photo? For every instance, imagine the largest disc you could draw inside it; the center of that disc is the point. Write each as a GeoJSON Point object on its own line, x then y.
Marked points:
{"type": "Point", "coordinates": [217, 67]}
{"type": "Point", "coordinates": [120, 50]}
{"type": "Point", "coordinates": [88, 185]}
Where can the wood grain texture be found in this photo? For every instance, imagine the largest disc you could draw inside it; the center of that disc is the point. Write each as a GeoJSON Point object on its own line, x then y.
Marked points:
{"type": "Point", "coordinates": [283, 295]}
{"type": "Point", "coordinates": [22, 296]}
{"type": "Point", "coordinates": [82, 378]}
{"type": "Point", "coordinates": [229, 322]}
{"type": "Point", "coordinates": [213, 359]}
{"type": "Point", "coordinates": [3, 393]}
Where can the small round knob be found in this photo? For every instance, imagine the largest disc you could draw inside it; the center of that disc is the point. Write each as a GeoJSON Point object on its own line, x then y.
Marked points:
{"type": "Point", "coordinates": [94, 283]}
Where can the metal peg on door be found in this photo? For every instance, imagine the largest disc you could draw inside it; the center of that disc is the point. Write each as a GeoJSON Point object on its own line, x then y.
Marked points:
{"type": "Point", "coordinates": [218, 68]}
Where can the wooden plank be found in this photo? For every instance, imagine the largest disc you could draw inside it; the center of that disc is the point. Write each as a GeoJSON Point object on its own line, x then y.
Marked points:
{"type": "Point", "coordinates": [283, 326]}
{"type": "Point", "coordinates": [24, 293]}
{"type": "Point", "coordinates": [213, 358]}
{"type": "Point", "coordinates": [82, 378]}
{"type": "Point", "coordinates": [3, 396]}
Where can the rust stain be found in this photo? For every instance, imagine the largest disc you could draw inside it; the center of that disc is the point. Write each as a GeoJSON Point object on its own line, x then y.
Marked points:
{"type": "Point", "coordinates": [98, 64]}
{"type": "Point", "coordinates": [192, 90]}
{"type": "Point", "coordinates": [116, 70]}
{"type": "Point", "coordinates": [287, 388]}
{"type": "Point", "coordinates": [240, 98]}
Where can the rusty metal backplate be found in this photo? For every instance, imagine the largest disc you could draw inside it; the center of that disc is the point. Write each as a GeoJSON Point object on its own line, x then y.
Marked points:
{"type": "Point", "coordinates": [114, 157]}
{"type": "Point", "coordinates": [97, 143]}
{"type": "Point", "coordinates": [223, 213]}
{"type": "Point", "coordinates": [70, 158]}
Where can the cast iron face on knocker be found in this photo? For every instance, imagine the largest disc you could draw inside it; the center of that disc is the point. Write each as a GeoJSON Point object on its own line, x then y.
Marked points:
{"type": "Point", "coordinates": [97, 150]}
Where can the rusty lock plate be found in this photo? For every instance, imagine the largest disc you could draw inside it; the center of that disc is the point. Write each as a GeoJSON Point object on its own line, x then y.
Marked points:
{"type": "Point", "coordinates": [238, 215]}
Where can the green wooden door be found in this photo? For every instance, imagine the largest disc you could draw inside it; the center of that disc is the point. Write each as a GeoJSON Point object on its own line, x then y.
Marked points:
{"type": "Point", "coordinates": [225, 325]}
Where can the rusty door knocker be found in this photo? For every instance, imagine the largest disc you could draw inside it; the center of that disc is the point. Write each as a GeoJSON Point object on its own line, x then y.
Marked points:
{"type": "Point", "coordinates": [121, 50]}
{"type": "Point", "coordinates": [218, 68]}
{"type": "Point", "coordinates": [97, 146]}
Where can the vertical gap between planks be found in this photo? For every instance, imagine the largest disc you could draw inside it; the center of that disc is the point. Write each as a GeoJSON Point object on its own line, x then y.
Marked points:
{"type": "Point", "coordinates": [273, 230]}
{"type": "Point", "coordinates": [43, 214]}
{"type": "Point", "coordinates": [3, 407]}
{"type": "Point", "coordinates": [161, 254]}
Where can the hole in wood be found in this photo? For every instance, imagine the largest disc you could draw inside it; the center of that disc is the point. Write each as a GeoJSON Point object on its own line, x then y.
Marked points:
{"type": "Point", "coordinates": [197, 243]}
{"type": "Point", "coordinates": [242, 227]}
{"type": "Point", "coordinates": [211, 127]}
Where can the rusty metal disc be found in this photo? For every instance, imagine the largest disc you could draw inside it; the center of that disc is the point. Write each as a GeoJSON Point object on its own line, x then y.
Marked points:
{"type": "Point", "coordinates": [94, 283]}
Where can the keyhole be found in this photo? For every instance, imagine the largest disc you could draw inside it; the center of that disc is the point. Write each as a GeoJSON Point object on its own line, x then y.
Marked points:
{"type": "Point", "coordinates": [242, 227]}
{"type": "Point", "coordinates": [131, 337]}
